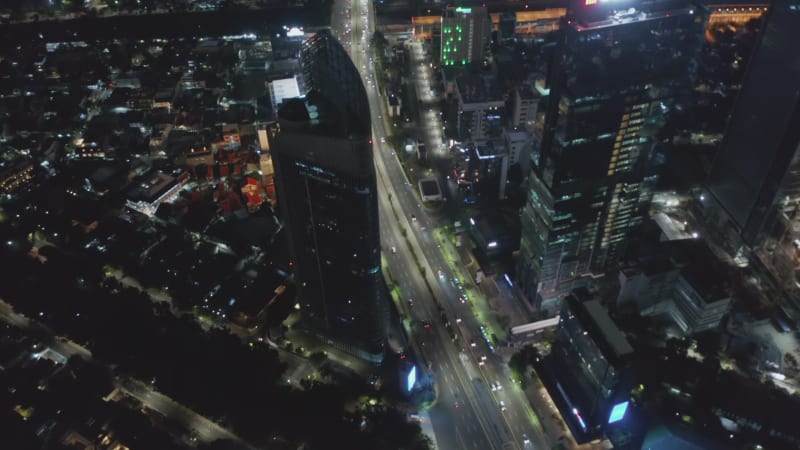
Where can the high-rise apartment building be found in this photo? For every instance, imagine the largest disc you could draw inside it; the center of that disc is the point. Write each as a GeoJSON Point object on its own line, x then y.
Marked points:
{"type": "Point", "coordinates": [755, 178]}
{"type": "Point", "coordinates": [465, 34]}
{"type": "Point", "coordinates": [326, 186]}
{"type": "Point", "coordinates": [617, 71]}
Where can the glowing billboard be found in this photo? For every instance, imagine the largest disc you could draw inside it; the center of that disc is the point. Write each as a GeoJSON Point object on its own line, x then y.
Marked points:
{"type": "Point", "coordinates": [618, 412]}
{"type": "Point", "coordinates": [411, 380]}
{"type": "Point", "coordinates": [295, 32]}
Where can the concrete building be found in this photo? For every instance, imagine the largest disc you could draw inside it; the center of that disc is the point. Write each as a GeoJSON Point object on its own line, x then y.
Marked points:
{"type": "Point", "coordinates": [481, 107]}
{"type": "Point", "coordinates": [524, 106]}
{"type": "Point", "coordinates": [282, 89]}
{"type": "Point", "coordinates": [680, 281]}
{"type": "Point", "coordinates": [519, 147]}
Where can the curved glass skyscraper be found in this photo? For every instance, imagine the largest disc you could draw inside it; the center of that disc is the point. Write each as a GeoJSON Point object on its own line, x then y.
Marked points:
{"type": "Point", "coordinates": [326, 186]}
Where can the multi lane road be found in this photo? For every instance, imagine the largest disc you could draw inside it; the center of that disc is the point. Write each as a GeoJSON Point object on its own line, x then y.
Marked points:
{"type": "Point", "coordinates": [61, 349]}
{"type": "Point", "coordinates": [469, 413]}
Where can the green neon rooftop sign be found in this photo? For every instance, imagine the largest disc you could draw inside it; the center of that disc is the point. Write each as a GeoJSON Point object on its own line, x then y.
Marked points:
{"type": "Point", "coordinates": [464, 10]}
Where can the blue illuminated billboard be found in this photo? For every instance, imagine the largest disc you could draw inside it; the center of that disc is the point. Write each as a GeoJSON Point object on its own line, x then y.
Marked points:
{"type": "Point", "coordinates": [412, 378]}
{"type": "Point", "coordinates": [618, 412]}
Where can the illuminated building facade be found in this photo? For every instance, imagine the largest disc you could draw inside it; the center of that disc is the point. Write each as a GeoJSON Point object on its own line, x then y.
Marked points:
{"type": "Point", "coordinates": [465, 34]}
{"type": "Point", "coordinates": [618, 69]}
{"type": "Point", "coordinates": [15, 177]}
{"type": "Point", "coordinates": [326, 186]}
{"type": "Point", "coordinates": [147, 193]}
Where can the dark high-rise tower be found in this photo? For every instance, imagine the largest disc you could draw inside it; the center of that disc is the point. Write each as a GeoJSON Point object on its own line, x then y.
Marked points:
{"type": "Point", "coordinates": [756, 176]}
{"type": "Point", "coordinates": [326, 186]}
{"type": "Point", "coordinates": [618, 68]}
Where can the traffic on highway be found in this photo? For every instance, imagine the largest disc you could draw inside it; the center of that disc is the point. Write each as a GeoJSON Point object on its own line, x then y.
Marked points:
{"type": "Point", "coordinates": [477, 406]}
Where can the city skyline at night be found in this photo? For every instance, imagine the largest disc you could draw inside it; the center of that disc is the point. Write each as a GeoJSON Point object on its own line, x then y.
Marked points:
{"type": "Point", "coordinates": [391, 224]}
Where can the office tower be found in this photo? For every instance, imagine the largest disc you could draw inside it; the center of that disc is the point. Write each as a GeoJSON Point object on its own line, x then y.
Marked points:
{"type": "Point", "coordinates": [617, 71]}
{"type": "Point", "coordinates": [755, 178]}
{"type": "Point", "coordinates": [326, 185]}
{"type": "Point", "coordinates": [589, 372]}
{"type": "Point", "coordinates": [465, 34]}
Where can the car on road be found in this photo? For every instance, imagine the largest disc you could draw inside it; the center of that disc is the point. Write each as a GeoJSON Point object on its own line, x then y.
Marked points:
{"type": "Point", "coordinates": [394, 249]}
{"type": "Point", "coordinates": [413, 218]}
{"type": "Point", "coordinates": [525, 440]}
{"type": "Point", "coordinates": [502, 406]}
{"type": "Point", "coordinates": [411, 302]}
{"type": "Point", "coordinates": [426, 325]}
{"type": "Point", "coordinates": [472, 343]}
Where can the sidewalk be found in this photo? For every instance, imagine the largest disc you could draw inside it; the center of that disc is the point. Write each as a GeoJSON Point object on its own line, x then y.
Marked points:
{"type": "Point", "coordinates": [427, 429]}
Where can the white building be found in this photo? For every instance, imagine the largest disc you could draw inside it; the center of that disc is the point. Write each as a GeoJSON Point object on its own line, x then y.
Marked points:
{"type": "Point", "coordinates": [524, 107]}
{"type": "Point", "coordinates": [519, 146]}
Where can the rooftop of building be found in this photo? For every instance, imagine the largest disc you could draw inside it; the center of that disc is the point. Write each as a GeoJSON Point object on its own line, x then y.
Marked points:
{"type": "Point", "coordinates": [528, 93]}
{"type": "Point", "coordinates": [430, 186]}
{"type": "Point", "coordinates": [594, 14]}
{"type": "Point", "coordinates": [517, 135]}
{"type": "Point", "coordinates": [283, 89]}
{"type": "Point", "coordinates": [316, 114]}
{"type": "Point", "coordinates": [671, 435]}
{"type": "Point", "coordinates": [694, 260]}
{"type": "Point", "coordinates": [596, 321]}
{"type": "Point", "coordinates": [151, 186]}
{"type": "Point", "coordinates": [489, 150]}
{"type": "Point", "coordinates": [474, 88]}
